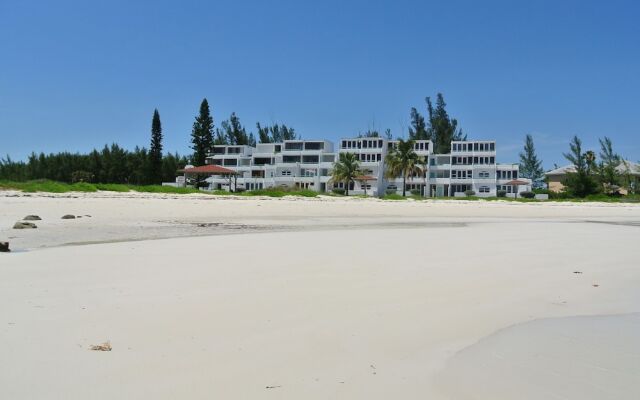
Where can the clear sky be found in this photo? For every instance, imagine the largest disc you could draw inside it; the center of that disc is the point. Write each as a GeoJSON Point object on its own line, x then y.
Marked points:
{"type": "Point", "coordinates": [78, 74]}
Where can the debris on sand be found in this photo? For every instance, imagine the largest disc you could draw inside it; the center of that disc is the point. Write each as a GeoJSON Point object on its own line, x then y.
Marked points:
{"type": "Point", "coordinates": [24, 225]}
{"type": "Point", "coordinates": [272, 387]}
{"type": "Point", "coordinates": [595, 285]}
{"type": "Point", "coordinates": [577, 272]}
{"type": "Point", "coordinates": [68, 216]}
{"type": "Point", "coordinates": [31, 218]}
{"type": "Point", "coordinates": [4, 247]}
{"type": "Point", "coordinates": [106, 346]}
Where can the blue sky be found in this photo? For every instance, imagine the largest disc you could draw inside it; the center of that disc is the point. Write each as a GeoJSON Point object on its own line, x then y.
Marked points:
{"type": "Point", "coordinates": [78, 74]}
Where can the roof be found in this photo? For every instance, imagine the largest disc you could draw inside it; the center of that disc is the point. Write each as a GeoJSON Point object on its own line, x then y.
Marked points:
{"type": "Point", "coordinates": [633, 168]}
{"type": "Point", "coordinates": [209, 169]}
{"type": "Point", "coordinates": [517, 182]}
{"type": "Point", "coordinates": [365, 178]}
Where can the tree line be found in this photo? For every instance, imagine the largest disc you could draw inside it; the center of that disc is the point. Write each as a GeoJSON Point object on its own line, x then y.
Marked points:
{"type": "Point", "coordinates": [111, 164]}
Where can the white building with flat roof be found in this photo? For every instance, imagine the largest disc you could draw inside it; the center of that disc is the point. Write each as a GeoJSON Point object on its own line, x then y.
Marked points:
{"type": "Point", "coordinates": [307, 164]}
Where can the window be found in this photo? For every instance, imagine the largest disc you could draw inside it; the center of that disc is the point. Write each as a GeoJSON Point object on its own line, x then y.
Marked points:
{"type": "Point", "coordinates": [293, 146]}
{"type": "Point", "coordinates": [290, 159]}
{"type": "Point", "coordinates": [484, 189]}
{"type": "Point", "coordinates": [285, 172]}
{"type": "Point", "coordinates": [483, 174]}
{"type": "Point", "coordinates": [313, 146]}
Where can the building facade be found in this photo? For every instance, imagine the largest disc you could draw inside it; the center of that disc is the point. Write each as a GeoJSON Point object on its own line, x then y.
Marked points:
{"type": "Point", "coordinates": [307, 164]}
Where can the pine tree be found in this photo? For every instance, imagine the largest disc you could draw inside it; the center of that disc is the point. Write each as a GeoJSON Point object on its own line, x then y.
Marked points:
{"type": "Point", "coordinates": [202, 134]}
{"type": "Point", "coordinates": [442, 129]}
{"type": "Point", "coordinates": [579, 183]}
{"type": "Point", "coordinates": [607, 170]}
{"type": "Point", "coordinates": [418, 129]}
{"type": "Point", "coordinates": [530, 166]}
{"type": "Point", "coordinates": [155, 150]}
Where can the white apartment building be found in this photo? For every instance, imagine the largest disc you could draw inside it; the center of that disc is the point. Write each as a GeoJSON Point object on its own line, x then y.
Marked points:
{"type": "Point", "coordinates": [303, 164]}
{"type": "Point", "coordinates": [307, 164]}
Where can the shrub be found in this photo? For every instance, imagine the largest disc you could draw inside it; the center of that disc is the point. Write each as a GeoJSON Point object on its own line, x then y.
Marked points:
{"type": "Point", "coordinates": [81, 176]}
{"type": "Point", "coordinates": [416, 192]}
{"type": "Point", "coordinates": [470, 192]}
{"type": "Point", "coordinates": [501, 193]}
{"type": "Point", "coordinates": [338, 191]}
{"type": "Point", "coordinates": [391, 191]}
{"type": "Point", "coordinates": [527, 195]}
{"type": "Point", "coordinates": [393, 196]}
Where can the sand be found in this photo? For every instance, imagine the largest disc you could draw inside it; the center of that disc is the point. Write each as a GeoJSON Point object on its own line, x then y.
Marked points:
{"type": "Point", "coordinates": [318, 298]}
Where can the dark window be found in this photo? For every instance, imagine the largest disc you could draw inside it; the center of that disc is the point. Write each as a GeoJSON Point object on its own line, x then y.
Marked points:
{"type": "Point", "coordinates": [290, 159]}
{"type": "Point", "coordinates": [313, 146]}
{"type": "Point", "coordinates": [293, 146]}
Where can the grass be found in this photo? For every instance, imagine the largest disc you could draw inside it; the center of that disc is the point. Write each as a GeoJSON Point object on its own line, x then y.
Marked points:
{"type": "Point", "coordinates": [48, 186]}
{"type": "Point", "coordinates": [279, 192]}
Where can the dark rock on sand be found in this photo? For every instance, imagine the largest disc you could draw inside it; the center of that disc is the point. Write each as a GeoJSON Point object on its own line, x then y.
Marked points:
{"type": "Point", "coordinates": [4, 247]}
{"type": "Point", "coordinates": [31, 218]}
{"type": "Point", "coordinates": [68, 216]}
{"type": "Point", "coordinates": [24, 225]}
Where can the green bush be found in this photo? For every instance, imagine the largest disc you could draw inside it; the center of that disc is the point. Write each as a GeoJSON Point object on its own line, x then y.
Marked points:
{"type": "Point", "coordinates": [391, 191]}
{"type": "Point", "coordinates": [501, 193]}
{"type": "Point", "coordinates": [338, 191]}
{"type": "Point", "coordinates": [393, 196]}
{"type": "Point", "coordinates": [416, 192]}
{"type": "Point", "coordinates": [112, 187]}
{"type": "Point", "coordinates": [470, 192]}
{"type": "Point", "coordinates": [81, 176]}
{"type": "Point", "coordinates": [527, 195]}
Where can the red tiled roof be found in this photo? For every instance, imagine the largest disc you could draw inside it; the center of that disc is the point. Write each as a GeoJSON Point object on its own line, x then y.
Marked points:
{"type": "Point", "coordinates": [208, 169]}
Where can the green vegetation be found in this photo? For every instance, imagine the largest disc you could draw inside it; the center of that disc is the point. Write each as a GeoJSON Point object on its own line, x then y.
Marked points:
{"type": "Point", "coordinates": [202, 134]}
{"type": "Point", "coordinates": [441, 129]}
{"type": "Point", "coordinates": [403, 161]}
{"type": "Point", "coordinates": [279, 192]}
{"type": "Point", "coordinates": [155, 150]}
{"type": "Point", "coordinates": [530, 166]}
{"type": "Point", "coordinates": [112, 164]}
{"type": "Point", "coordinates": [48, 186]}
{"type": "Point", "coordinates": [346, 170]}
{"type": "Point", "coordinates": [591, 178]}
{"type": "Point", "coordinates": [275, 133]}
{"type": "Point", "coordinates": [393, 196]}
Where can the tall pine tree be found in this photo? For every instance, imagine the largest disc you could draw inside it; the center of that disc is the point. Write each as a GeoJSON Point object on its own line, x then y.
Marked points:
{"type": "Point", "coordinates": [202, 134]}
{"type": "Point", "coordinates": [530, 166]}
{"type": "Point", "coordinates": [418, 129]}
{"type": "Point", "coordinates": [442, 129]}
{"type": "Point", "coordinates": [155, 150]}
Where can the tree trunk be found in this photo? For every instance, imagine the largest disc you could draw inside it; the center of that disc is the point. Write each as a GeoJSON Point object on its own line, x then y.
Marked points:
{"type": "Point", "coordinates": [404, 185]}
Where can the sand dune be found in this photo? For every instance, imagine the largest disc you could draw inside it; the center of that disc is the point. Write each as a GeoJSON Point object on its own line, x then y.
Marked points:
{"type": "Point", "coordinates": [328, 299]}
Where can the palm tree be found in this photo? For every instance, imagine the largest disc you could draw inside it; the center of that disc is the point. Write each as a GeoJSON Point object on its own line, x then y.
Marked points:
{"type": "Point", "coordinates": [346, 169]}
{"type": "Point", "coordinates": [402, 160]}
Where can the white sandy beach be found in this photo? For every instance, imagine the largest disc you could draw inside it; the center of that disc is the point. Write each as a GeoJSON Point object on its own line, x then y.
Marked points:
{"type": "Point", "coordinates": [318, 298]}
